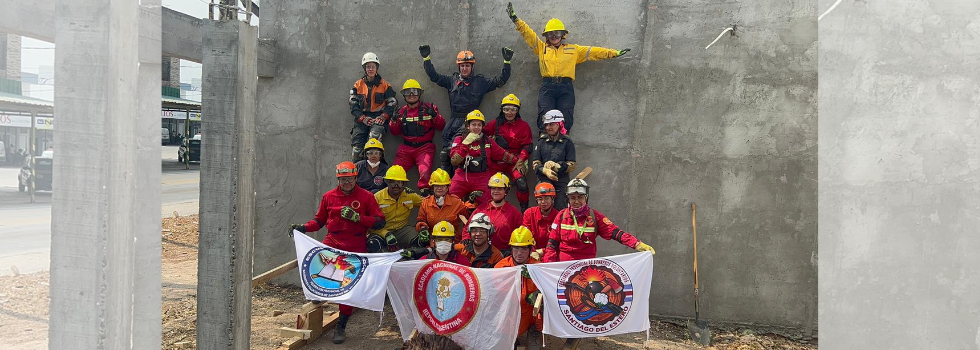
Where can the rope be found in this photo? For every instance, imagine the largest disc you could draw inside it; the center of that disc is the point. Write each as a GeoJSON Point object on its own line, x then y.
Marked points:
{"type": "Point", "coordinates": [719, 36]}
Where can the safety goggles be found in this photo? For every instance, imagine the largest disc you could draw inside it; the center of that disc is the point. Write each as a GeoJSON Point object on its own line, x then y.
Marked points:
{"type": "Point", "coordinates": [373, 152]}
{"type": "Point", "coordinates": [557, 34]}
{"type": "Point", "coordinates": [346, 180]}
{"type": "Point", "coordinates": [412, 92]}
{"type": "Point", "coordinates": [510, 109]}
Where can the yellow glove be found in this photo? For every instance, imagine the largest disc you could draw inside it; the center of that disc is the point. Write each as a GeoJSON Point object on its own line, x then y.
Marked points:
{"type": "Point", "coordinates": [643, 247]}
{"type": "Point", "coordinates": [470, 138]}
{"type": "Point", "coordinates": [552, 165]}
{"type": "Point", "coordinates": [536, 254]}
{"type": "Point", "coordinates": [550, 174]}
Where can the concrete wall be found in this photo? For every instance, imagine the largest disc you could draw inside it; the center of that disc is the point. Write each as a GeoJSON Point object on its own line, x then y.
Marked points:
{"type": "Point", "coordinates": [899, 194]}
{"type": "Point", "coordinates": [732, 128]}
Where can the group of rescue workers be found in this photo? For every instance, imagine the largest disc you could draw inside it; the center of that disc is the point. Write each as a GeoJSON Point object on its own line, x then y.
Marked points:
{"type": "Point", "coordinates": [480, 161]}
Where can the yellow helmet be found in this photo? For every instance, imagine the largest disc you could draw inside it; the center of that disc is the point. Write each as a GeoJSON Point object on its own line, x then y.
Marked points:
{"type": "Point", "coordinates": [439, 177]}
{"type": "Point", "coordinates": [411, 84]}
{"type": "Point", "coordinates": [521, 237]}
{"type": "Point", "coordinates": [499, 180]}
{"type": "Point", "coordinates": [510, 100]}
{"type": "Point", "coordinates": [553, 25]}
{"type": "Point", "coordinates": [475, 115]}
{"type": "Point", "coordinates": [396, 173]}
{"type": "Point", "coordinates": [443, 229]}
{"type": "Point", "coordinates": [374, 143]}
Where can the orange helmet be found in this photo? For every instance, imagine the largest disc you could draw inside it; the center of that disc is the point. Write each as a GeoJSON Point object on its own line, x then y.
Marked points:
{"type": "Point", "coordinates": [465, 57]}
{"type": "Point", "coordinates": [544, 189]}
{"type": "Point", "coordinates": [346, 169]}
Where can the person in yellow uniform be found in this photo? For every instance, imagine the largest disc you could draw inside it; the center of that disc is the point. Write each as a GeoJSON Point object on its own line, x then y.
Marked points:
{"type": "Point", "coordinates": [396, 203]}
{"type": "Point", "coordinates": [557, 61]}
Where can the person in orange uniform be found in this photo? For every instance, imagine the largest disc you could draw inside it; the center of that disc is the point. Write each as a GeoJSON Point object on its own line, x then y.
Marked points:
{"type": "Point", "coordinates": [442, 247]}
{"type": "Point", "coordinates": [372, 102]}
{"type": "Point", "coordinates": [512, 133]}
{"type": "Point", "coordinates": [478, 249]}
{"type": "Point", "coordinates": [521, 245]}
{"type": "Point", "coordinates": [539, 219]}
{"type": "Point", "coordinates": [557, 61]}
{"type": "Point", "coordinates": [348, 212]}
{"type": "Point", "coordinates": [472, 154]}
{"type": "Point", "coordinates": [442, 206]}
{"type": "Point", "coordinates": [504, 216]}
{"type": "Point", "coordinates": [417, 122]}
{"type": "Point", "coordinates": [574, 232]}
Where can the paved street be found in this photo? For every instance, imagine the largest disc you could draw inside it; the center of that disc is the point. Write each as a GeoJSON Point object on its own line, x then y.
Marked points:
{"type": "Point", "coordinates": [25, 228]}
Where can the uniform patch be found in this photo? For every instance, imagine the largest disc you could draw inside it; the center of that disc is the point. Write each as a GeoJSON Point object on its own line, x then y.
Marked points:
{"type": "Point", "coordinates": [606, 221]}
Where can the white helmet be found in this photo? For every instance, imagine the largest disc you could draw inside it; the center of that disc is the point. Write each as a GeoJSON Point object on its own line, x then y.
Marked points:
{"type": "Point", "coordinates": [370, 57]}
{"type": "Point", "coordinates": [553, 116]}
{"type": "Point", "coordinates": [480, 220]}
{"type": "Point", "coordinates": [577, 186]}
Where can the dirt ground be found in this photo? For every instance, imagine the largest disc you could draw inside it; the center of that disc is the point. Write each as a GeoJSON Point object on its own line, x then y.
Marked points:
{"type": "Point", "coordinates": [24, 313]}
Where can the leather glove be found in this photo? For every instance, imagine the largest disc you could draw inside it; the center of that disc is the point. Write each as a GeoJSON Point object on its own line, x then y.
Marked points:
{"type": "Point", "coordinates": [379, 121]}
{"type": "Point", "coordinates": [521, 166]}
{"type": "Point", "coordinates": [550, 174]}
{"type": "Point", "coordinates": [365, 120]}
{"type": "Point", "coordinates": [510, 12]}
{"type": "Point", "coordinates": [424, 237]}
{"type": "Point", "coordinates": [552, 165]}
{"type": "Point", "coordinates": [536, 254]}
{"type": "Point", "coordinates": [349, 214]}
{"type": "Point", "coordinates": [643, 247]}
{"type": "Point", "coordinates": [470, 138]}
{"type": "Point", "coordinates": [532, 298]}
{"type": "Point", "coordinates": [424, 50]}
{"type": "Point", "coordinates": [297, 227]}
{"type": "Point", "coordinates": [508, 54]}
{"type": "Point", "coordinates": [474, 195]}
{"type": "Point", "coordinates": [391, 240]}
{"type": "Point", "coordinates": [622, 52]}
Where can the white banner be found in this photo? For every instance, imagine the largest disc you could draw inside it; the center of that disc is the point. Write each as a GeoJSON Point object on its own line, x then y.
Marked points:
{"type": "Point", "coordinates": [595, 297]}
{"type": "Point", "coordinates": [354, 279]}
{"type": "Point", "coordinates": [477, 308]}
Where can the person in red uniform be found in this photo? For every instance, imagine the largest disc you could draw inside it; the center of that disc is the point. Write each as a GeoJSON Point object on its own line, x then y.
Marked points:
{"type": "Point", "coordinates": [416, 122]}
{"type": "Point", "coordinates": [443, 234]}
{"type": "Point", "coordinates": [472, 154]}
{"type": "Point", "coordinates": [511, 132]}
{"type": "Point", "coordinates": [539, 219]}
{"type": "Point", "coordinates": [504, 216]}
{"type": "Point", "coordinates": [574, 232]}
{"type": "Point", "coordinates": [348, 212]}
{"type": "Point", "coordinates": [521, 245]}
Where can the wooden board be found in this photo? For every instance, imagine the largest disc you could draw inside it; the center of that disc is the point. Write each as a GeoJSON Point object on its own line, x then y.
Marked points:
{"type": "Point", "coordinates": [276, 272]}
{"type": "Point", "coordinates": [584, 173]}
{"type": "Point", "coordinates": [295, 333]}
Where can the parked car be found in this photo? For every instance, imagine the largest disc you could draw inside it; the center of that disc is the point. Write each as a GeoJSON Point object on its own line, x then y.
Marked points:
{"type": "Point", "coordinates": [164, 136]}
{"type": "Point", "coordinates": [42, 171]}
{"type": "Point", "coordinates": [190, 150]}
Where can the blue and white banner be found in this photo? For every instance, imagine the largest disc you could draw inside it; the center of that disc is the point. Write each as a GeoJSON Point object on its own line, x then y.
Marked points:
{"type": "Point", "coordinates": [595, 297]}
{"type": "Point", "coordinates": [355, 279]}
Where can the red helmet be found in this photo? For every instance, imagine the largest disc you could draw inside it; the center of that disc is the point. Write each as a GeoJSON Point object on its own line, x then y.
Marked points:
{"type": "Point", "coordinates": [544, 189]}
{"type": "Point", "coordinates": [465, 57]}
{"type": "Point", "coordinates": [346, 169]}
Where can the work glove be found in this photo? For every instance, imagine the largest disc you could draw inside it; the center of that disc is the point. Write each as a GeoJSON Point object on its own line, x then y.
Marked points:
{"type": "Point", "coordinates": [533, 297]}
{"type": "Point", "coordinates": [378, 121]}
{"type": "Point", "coordinates": [470, 138]}
{"type": "Point", "coordinates": [508, 54]}
{"type": "Point", "coordinates": [297, 227]}
{"type": "Point", "coordinates": [474, 195]}
{"type": "Point", "coordinates": [349, 214]}
{"type": "Point", "coordinates": [536, 254]}
{"type": "Point", "coordinates": [424, 237]}
{"type": "Point", "coordinates": [643, 247]}
{"type": "Point", "coordinates": [524, 272]}
{"type": "Point", "coordinates": [510, 12]}
{"type": "Point", "coordinates": [622, 52]}
{"type": "Point", "coordinates": [365, 120]}
{"type": "Point", "coordinates": [550, 174]}
{"type": "Point", "coordinates": [391, 240]}
{"type": "Point", "coordinates": [414, 253]}
{"type": "Point", "coordinates": [424, 50]}
{"type": "Point", "coordinates": [521, 166]}
{"type": "Point", "coordinates": [552, 165]}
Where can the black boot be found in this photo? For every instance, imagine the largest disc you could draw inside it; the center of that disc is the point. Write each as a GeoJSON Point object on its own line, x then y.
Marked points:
{"type": "Point", "coordinates": [523, 207]}
{"type": "Point", "coordinates": [340, 334]}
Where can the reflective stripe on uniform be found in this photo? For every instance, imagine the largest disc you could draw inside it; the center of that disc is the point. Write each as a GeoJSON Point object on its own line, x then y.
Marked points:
{"type": "Point", "coordinates": [574, 227]}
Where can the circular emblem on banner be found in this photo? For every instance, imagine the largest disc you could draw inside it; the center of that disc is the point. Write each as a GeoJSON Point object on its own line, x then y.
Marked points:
{"type": "Point", "coordinates": [595, 295]}
{"type": "Point", "coordinates": [447, 296]}
{"type": "Point", "coordinates": [330, 273]}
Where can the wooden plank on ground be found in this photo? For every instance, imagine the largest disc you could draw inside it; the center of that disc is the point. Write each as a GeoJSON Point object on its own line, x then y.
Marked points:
{"type": "Point", "coordinates": [295, 333]}
{"type": "Point", "coordinates": [276, 272]}
{"type": "Point", "coordinates": [314, 322]}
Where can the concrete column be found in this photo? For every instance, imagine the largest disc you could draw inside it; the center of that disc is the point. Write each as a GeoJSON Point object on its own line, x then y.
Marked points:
{"type": "Point", "coordinates": [105, 214]}
{"type": "Point", "coordinates": [228, 132]}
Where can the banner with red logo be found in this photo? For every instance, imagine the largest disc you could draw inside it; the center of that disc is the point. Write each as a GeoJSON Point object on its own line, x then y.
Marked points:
{"type": "Point", "coordinates": [477, 308]}
{"type": "Point", "coordinates": [595, 297]}
{"type": "Point", "coordinates": [342, 277]}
